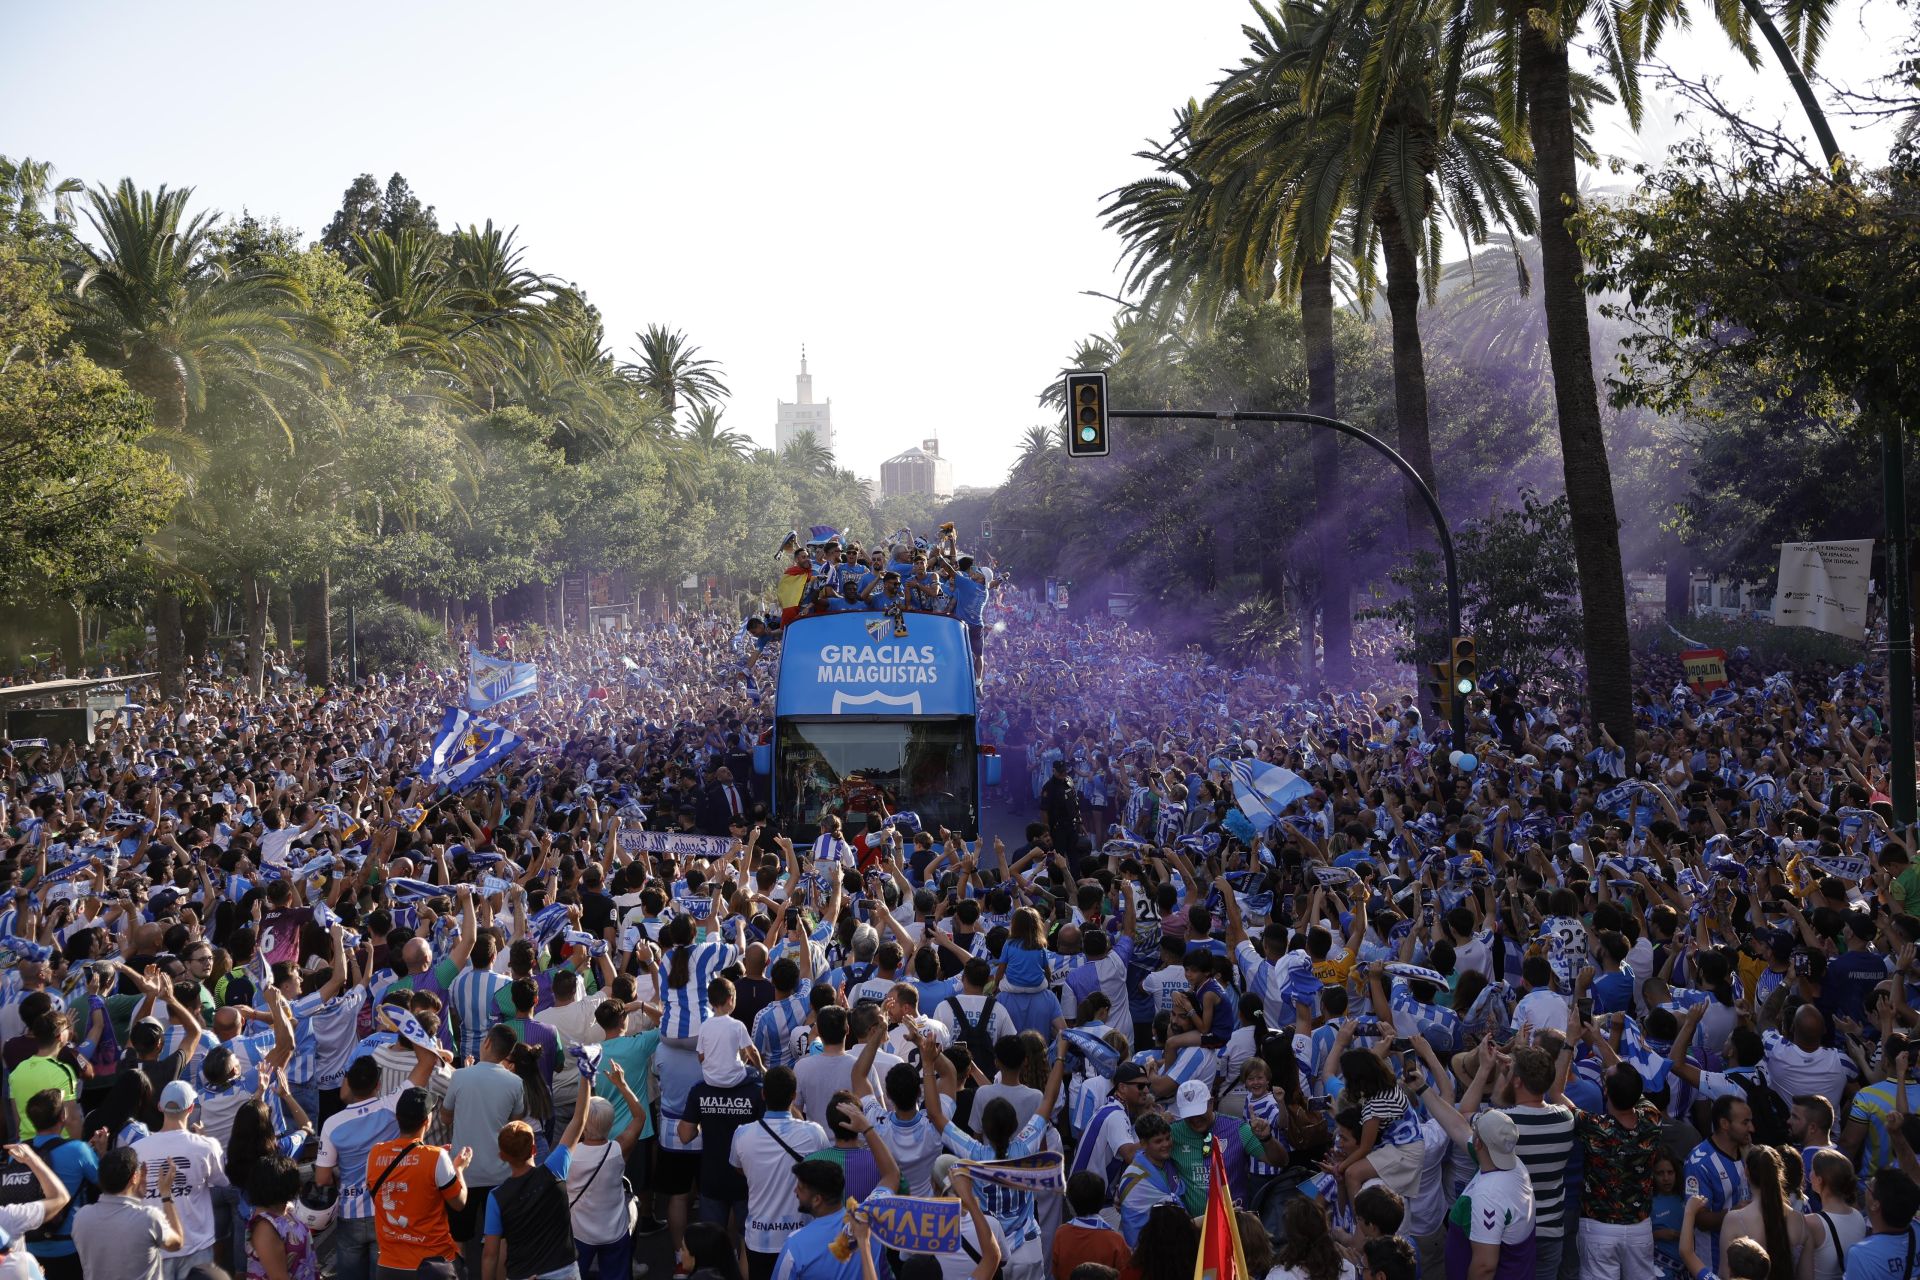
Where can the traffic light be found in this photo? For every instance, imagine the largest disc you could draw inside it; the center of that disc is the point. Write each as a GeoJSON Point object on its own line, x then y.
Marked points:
{"type": "Point", "coordinates": [1439, 686]}
{"type": "Point", "coordinates": [1466, 667]}
{"type": "Point", "coordinates": [1087, 415]}
{"type": "Point", "coordinates": [986, 531]}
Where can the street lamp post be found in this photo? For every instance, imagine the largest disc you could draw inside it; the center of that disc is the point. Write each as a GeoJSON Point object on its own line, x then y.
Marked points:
{"type": "Point", "coordinates": [1384, 450]}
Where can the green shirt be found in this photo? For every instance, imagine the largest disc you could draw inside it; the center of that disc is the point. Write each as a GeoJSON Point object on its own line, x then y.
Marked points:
{"type": "Point", "coordinates": [635, 1056]}
{"type": "Point", "coordinates": [32, 1076]}
{"type": "Point", "coordinates": [1190, 1158]}
{"type": "Point", "coordinates": [1906, 891]}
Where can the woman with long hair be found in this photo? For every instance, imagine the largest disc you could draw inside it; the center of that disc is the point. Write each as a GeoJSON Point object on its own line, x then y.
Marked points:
{"type": "Point", "coordinates": [706, 1252]}
{"type": "Point", "coordinates": [251, 1141]}
{"type": "Point", "coordinates": [1766, 1217]}
{"type": "Point", "coordinates": [691, 965]}
{"type": "Point", "coordinates": [1837, 1226]}
{"type": "Point", "coordinates": [1169, 1242]}
{"type": "Point", "coordinates": [1308, 1252]}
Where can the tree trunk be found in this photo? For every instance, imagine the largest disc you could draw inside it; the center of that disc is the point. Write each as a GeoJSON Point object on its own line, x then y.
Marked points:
{"type": "Point", "coordinates": [76, 640]}
{"type": "Point", "coordinates": [319, 611]}
{"type": "Point", "coordinates": [196, 621]}
{"type": "Point", "coordinates": [1583, 446]}
{"type": "Point", "coordinates": [1336, 587]}
{"type": "Point", "coordinates": [166, 627]}
{"type": "Point", "coordinates": [1409, 378]}
{"type": "Point", "coordinates": [258, 595]}
{"type": "Point", "coordinates": [284, 640]}
{"type": "Point", "coordinates": [486, 620]}
{"type": "Point", "coordinates": [1679, 582]}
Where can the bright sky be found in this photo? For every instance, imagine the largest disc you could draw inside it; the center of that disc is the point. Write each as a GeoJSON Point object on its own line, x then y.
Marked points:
{"type": "Point", "coordinates": [911, 190]}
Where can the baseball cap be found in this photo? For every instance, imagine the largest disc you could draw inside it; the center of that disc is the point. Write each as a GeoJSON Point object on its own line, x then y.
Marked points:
{"type": "Point", "coordinates": [1194, 1099]}
{"type": "Point", "coordinates": [1495, 1134]}
{"type": "Point", "coordinates": [178, 1096]}
{"type": "Point", "coordinates": [1129, 1073]}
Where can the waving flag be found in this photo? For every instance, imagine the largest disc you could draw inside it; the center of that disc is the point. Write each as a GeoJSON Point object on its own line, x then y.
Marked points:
{"type": "Point", "coordinates": [465, 748]}
{"type": "Point", "coordinates": [407, 889]}
{"type": "Point", "coordinates": [1291, 981]}
{"type": "Point", "coordinates": [1100, 1055]}
{"type": "Point", "coordinates": [1262, 791]}
{"type": "Point", "coordinates": [491, 681]}
{"type": "Point", "coordinates": [1634, 1049]}
{"type": "Point", "coordinates": [1220, 1256]}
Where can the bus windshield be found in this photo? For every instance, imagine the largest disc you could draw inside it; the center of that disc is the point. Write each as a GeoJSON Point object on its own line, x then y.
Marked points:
{"type": "Point", "coordinates": [863, 770]}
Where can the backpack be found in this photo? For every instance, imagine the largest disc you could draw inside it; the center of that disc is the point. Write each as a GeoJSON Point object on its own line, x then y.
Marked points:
{"type": "Point", "coordinates": [1770, 1114]}
{"type": "Point", "coordinates": [977, 1036]}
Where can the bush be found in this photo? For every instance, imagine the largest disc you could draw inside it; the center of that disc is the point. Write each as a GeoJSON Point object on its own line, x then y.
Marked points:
{"type": "Point", "coordinates": [392, 637]}
{"type": "Point", "coordinates": [1772, 648]}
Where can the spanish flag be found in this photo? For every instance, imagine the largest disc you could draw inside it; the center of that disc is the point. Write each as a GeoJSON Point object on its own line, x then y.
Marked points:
{"type": "Point", "coordinates": [1220, 1256]}
{"type": "Point", "coordinates": [793, 585]}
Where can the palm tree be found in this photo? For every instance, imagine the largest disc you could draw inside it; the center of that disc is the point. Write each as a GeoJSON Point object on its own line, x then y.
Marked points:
{"type": "Point", "coordinates": [807, 455]}
{"type": "Point", "coordinates": [705, 434]}
{"type": "Point", "coordinates": [155, 302]}
{"type": "Point", "coordinates": [27, 189]}
{"type": "Point", "coordinates": [674, 370]}
{"type": "Point", "coordinates": [1037, 443]}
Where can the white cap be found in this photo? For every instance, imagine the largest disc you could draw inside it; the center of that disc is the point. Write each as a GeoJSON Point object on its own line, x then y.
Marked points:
{"type": "Point", "coordinates": [1193, 1099]}
{"type": "Point", "coordinates": [178, 1096]}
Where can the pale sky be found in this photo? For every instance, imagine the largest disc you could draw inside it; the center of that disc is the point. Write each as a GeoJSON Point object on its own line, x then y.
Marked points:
{"type": "Point", "coordinates": [912, 190]}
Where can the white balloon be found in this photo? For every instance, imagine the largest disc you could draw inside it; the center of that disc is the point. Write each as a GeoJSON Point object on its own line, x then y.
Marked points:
{"type": "Point", "coordinates": [1454, 758]}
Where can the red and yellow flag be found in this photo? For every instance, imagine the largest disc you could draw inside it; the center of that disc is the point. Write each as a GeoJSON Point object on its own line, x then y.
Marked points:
{"type": "Point", "coordinates": [1220, 1257]}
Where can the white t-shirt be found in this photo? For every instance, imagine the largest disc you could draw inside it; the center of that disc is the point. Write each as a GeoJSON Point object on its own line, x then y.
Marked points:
{"type": "Point", "coordinates": [1002, 1023]}
{"type": "Point", "coordinates": [772, 1214]}
{"type": "Point", "coordinates": [1542, 1009]}
{"type": "Point", "coordinates": [1501, 1203]}
{"type": "Point", "coordinates": [573, 1023]}
{"type": "Point", "coordinates": [719, 1042]}
{"type": "Point", "coordinates": [597, 1194]}
{"type": "Point", "coordinates": [194, 1163]}
{"type": "Point", "coordinates": [1162, 984]}
{"type": "Point", "coordinates": [1794, 1072]}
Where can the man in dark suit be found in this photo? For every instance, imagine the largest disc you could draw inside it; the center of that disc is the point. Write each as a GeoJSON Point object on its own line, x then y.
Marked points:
{"type": "Point", "coordinates": [723, 801]}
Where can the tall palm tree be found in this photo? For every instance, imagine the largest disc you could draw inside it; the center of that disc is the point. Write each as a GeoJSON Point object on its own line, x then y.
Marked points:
{"type": "Point", "coordinates": [27, 191]}
{"type": "Point", "coordinates": [1538, 103]}
{"type": "Point", "coordinates": [674, 370]}
{"type": "Point", "coordinates": [705, 434]}
{"type": "Point", "coordinates": [807, 455]}
{"type": "Point", "coordinates": [1430, 159]}
{"type": "Point", "coordinates": [155, 302]}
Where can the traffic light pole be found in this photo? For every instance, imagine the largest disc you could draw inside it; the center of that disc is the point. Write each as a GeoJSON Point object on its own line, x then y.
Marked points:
{"type": "Point", "coordinates": [1386, 451]}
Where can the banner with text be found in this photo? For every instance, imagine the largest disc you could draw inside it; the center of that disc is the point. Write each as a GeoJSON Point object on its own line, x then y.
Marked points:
{"type": "Point", "coordinates": [1823, 585]}
{"type": "Point", "coordinates": [680, 844]}
{"type": "Point", "coordinates": [1706, 669]}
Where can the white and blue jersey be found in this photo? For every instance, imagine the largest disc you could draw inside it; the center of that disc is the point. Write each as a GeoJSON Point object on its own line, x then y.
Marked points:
{"type": "Point", "coordinates": [346, 1140]}
{"type": "Point", "coordinates": [773, 1029]}
{"type": "Point", "coordinates": [1721, 1180]}
{"type": "Point", "coordinates": [1013, 1207]}
{"type": "Point", "coordinates": [331, 1028]}
{"type": "Point", "coordinates": [686, 1007]}
{"type": "Point", "coordinates": [474, 994]}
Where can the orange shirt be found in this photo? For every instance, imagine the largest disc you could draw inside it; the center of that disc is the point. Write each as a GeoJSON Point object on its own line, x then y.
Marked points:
{"type": "Point", "coordinates": [1074, 1244]}
{"type": "Point", "coordinates": [411, 1215]}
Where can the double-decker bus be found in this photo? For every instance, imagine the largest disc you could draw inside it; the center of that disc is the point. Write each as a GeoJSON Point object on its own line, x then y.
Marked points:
{"type": "Point", "coordinates": [875, 715]}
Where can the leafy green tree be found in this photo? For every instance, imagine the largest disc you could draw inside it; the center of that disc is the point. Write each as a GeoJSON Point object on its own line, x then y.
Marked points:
{"type": "Point", "coordinates": [82, 494]}
{"type": "Point", "coordinates": [367, 210]}
{"type": "Point", "coordinates": [705, 433]}
{"type": "Point", "coordinates": [1520, 591]}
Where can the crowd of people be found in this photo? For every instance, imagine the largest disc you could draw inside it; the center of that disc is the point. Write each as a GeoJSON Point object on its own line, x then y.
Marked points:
{"type": "Point", "coordinates": [1524, 1004]}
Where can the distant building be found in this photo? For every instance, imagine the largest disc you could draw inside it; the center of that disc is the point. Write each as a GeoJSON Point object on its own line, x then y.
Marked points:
{"type": "Point", "coordinates": [917, 471]}
{"type": "Point", "coordinates": [803, 415]}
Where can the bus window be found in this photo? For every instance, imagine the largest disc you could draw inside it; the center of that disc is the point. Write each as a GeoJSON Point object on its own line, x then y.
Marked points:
{"type": "Point", "coordinates": [864, 770]}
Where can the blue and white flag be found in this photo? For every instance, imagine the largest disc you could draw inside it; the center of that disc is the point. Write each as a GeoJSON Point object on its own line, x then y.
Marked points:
{"type": "Point", "coordinates": [546, 924]}
{"type": "Point", "coordinates": [407, 889]}
{"type": "Point", "coordinates": [492, 681]}
{"type": "Point", "coordinates": [1292, 982]}
{"type": "Point", "coordinates": [465, 748]}
{"type": "Point", "coordinates": [1618, 800]}
{"type": "Point", "coordinates": [1846, 866]}
{"type": "Point", "coordinates": [1634, 1049]}
{"type": "Point", "coordinates": [1202, 844]}
{"type": "Point", "coordinates": [913, 1224]}
{"type": "Point", "coordinates": [1100, 1055]}
{"type": "Point", "coordinates": [1042, 1171]}
{"type": "Point", "coordinates": [587, 1058]}
{"type": "Point", "coordinates": [1262, 791]}
{"type": "Point", "coordinates": [406, 1026]}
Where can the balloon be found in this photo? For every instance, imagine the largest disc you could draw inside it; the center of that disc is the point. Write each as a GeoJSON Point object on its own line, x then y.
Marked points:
{"type": "Point", "coordinates": [1468, 762]}
{"type": "Point", "coordinates": [1455, 757]}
